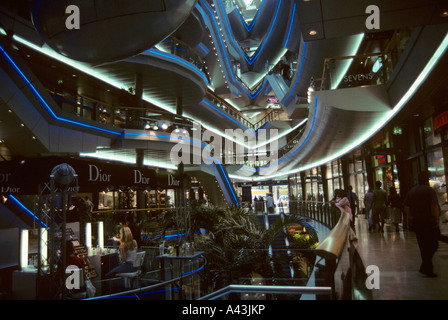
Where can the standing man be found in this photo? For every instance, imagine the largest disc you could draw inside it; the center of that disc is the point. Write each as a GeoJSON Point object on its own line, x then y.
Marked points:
{"type": "Point", "coordinates": [379, 206]}
{"type": "Point", "coordinates": [270, 203]}
{"type": "Point", "coordinates": [353, 199]}
{"type": "Point", "coordinates": [368, 197]}
{"type": "Point", "coordinates": [422, 208]}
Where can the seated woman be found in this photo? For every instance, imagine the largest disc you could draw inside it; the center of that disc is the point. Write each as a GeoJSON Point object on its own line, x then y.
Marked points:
{"type": "Point", "coordinates": [127, 253]}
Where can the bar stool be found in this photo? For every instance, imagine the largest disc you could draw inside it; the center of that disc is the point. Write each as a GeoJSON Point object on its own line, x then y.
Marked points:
{"type": "Point", "coordinates": [136, 274]}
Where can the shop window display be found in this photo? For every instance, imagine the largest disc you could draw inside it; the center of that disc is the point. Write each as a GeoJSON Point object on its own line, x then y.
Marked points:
{"type": "Point", "coordinates": [438, 179]}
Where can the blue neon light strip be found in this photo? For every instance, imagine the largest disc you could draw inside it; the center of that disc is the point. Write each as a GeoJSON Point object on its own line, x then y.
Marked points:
{"type": "Point", "coordinates": [304, 141]}
{"type": "Point", "coordinates": [251, 60]}
{"type": "Point", "coordinates": [191, 272]}
{"type": "Point", "coordinates": [44, 103]}
{"type": "Point", "coordinates": [263, 127]}
{"type": "Point", "coordinates": [268, 36]}
{"type": "Point", "coordinates": [204, 145]}
{"type": "Point", "coordinates": [203, 48]}
{"type": "Point", "coordinates": [291, 24]}
{"type": "Point", "coordinates": [307, 136]}
{"type": "Point", "coordinates": [228, 183]}
{"type": "Point", "coordinates": [185, 63]}
{"type": "Point", "coordinates": [298, 75]}
{"type": "Point", "coordinates": [26, 210]}
{"type": "Point", "coordinates": [226, 59]}
{"type": "Point", "coordinates": [251, 26]}
{"type": "Point", "coordinates": [223, 113]}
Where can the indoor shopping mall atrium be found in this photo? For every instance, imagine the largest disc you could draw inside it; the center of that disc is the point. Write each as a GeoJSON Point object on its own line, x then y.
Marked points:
{"type": "Point", "coordinates": [244, 150]}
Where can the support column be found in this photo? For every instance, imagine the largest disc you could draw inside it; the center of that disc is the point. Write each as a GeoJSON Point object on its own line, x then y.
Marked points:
{"type": "Point", "coordinates": [345, 173]}
{"type": "Point", "coordinates": [140, 192]}
{"type": "Point", "coordinates": [323, 171]}
{"type": "Point", "coordinates": [179, 106]}
{"type": "Point", "coordinates": [369, 168]}
{"type": "Point", "coordinates": [137, 112]}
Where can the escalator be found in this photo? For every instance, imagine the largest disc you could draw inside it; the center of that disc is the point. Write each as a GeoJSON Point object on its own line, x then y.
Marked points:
{"type": "Point", "coordinates": [14, 214]}
{"type": "Point", "coordinates": [216, 183]}
{"type": "Point", "coordinates": [278, 85]}
{"type": "Point", "coordinates": [280, 256]}
{"type": "Point", "coordinates": [271, 28]}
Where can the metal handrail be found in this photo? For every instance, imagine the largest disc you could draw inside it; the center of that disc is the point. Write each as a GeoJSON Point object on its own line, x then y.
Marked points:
{"type": "Point", "coordinates": [234, 288]}
{"type": "Point", "coordinates": [143, 290]}
{"type": "Point", "coordinates": [332, 246]}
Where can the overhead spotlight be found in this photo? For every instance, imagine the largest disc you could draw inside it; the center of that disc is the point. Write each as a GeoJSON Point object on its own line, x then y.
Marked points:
{"type": "Point", "coordinates": [147, 125]}
{"type": "Point", "coordinates": [156, 126]}
{"type": "Point", "coordinates": [313, 32]}
{"type": "Point", "coordinates": [184, 131]}
{"type": "Point", "coordinates": [164, 126]}
{"type": "Point", "coordinates": [177, 129]}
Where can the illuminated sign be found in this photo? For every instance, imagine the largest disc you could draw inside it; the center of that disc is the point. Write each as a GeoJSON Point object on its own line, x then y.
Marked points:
{"type": "Point", "coordinates": [440, 120]}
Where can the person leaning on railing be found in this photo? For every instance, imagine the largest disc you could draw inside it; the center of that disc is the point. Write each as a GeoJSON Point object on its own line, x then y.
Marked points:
{"type": "Point", "coordinates": [342, 202]}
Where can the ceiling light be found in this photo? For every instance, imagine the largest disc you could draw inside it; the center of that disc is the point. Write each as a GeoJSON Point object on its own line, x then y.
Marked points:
{"type": "Point", "coordinates": [313, 32]}
{"type": "Point", "coordinates": [164, 126]}
{"type": "Point", "coordinates": [445, 14]}
{"type": "Point", "coordinates": [147, 126]}
{"type": "Point", "coordinates": [156, 126]}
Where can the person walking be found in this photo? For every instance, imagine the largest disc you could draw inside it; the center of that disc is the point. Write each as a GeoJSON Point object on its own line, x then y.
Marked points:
{"type": "Point", "coordinates": [368, 197]}
{"type": "Point", "coordinates": [353, 199]}
{"type": "Point", "coordinates": [379, 206]}
{"type": "Point", "coordinates": [395, 203]}
{"type": "Point", "coordinates": [422, 208]}
{"type": "Point", "coordinates": [270, 203]}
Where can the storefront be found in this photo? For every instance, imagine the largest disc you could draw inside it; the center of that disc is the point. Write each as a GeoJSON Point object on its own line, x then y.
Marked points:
{"type": "Point", "coordinates": [278, 189]}
{"type": "Point", "coordinates": [109, 186]}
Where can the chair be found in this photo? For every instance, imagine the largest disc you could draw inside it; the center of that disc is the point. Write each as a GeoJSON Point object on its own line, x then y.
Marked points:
{"type": "Point", "coordinates": [132, 275]}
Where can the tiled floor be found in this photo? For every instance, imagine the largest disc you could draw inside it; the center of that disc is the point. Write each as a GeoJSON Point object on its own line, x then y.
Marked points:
{"type": "Point", "coordinates": [398, 258]}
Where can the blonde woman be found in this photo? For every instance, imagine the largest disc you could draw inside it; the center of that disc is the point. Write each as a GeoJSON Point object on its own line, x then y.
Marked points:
{"type": "Point", "coordinates": [127, 253]}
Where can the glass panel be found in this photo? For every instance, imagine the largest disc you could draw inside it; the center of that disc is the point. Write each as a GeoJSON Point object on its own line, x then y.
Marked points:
{"type": "Point", "coordinates": [336, 171]}
{"type": "Point", "coordinates": [106, 200]}
{"type": "Point", "coordinates": [337, 184]}
{"type": "Point", "coordinates": [362, 70]}
{"type": "Point", "coordinates": [358, 165]}
{"type": "Point", "coordinates": [430, 138]}
{"type": "Point", "coordinates": [248, 9]}
{"type": "Point", "coordinates": [351, 167]}
{"type": "Point", "coordinates": [329, 172]}
{"type": "Point", "coordinates": [330, 189]}
{"type": "Point", "coordinates": [360, 186]}
{"type": "Point", "coordinates": [379, 175]}
{"type": "Point", "coordinates": [438, 179]}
